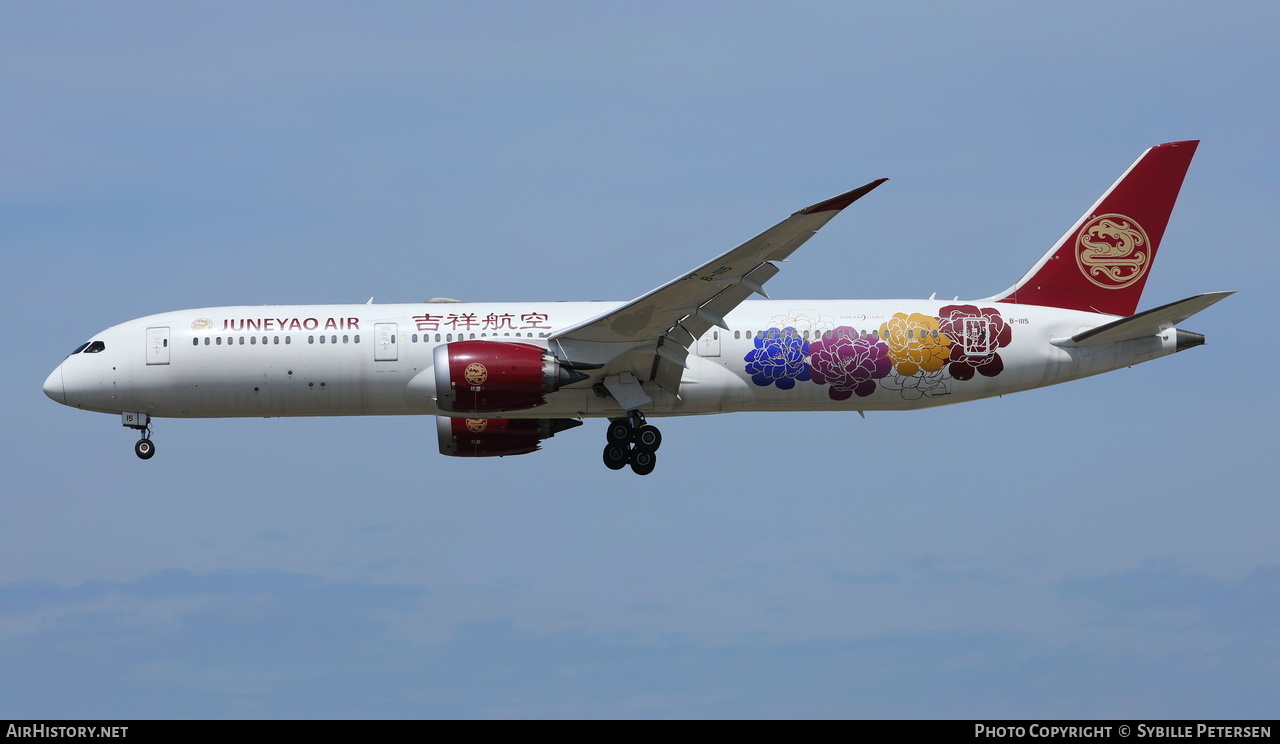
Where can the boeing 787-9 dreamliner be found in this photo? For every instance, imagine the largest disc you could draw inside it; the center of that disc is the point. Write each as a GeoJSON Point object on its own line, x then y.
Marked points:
{"type": "Point", "coordinates": [500, 377]}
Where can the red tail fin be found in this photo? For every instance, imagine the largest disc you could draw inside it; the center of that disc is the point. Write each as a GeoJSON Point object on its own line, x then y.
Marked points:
{"type": "Point", "coordinates": [1101, 264]}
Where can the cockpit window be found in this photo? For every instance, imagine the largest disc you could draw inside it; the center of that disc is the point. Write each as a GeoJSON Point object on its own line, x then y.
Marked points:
{"type": "Point", "coordinates": [94, 347]}
{"type": "Point", "coordinates": [80, 348]}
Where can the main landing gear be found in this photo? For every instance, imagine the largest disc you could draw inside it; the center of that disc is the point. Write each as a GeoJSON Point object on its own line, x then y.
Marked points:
{"type": "Point", "coordinates": [144, 448]}
{"type": "Point", "coordinates": [632, 442]}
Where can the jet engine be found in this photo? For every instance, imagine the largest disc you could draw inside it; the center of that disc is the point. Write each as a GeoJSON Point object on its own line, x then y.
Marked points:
{"type": "Point", "coordinates": [466, 437]}
{"type": "Point", "coordinates": [495, 376]}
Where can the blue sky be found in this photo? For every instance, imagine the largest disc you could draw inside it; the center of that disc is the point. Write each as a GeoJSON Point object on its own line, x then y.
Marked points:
{"type": "Point", "coordinates": [1114, 553]}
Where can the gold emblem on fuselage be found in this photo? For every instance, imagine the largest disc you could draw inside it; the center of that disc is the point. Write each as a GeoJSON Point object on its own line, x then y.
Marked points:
{"type": "Point", "coordinates": [475, 373]}
{"type": "Point", "coordinates": [201, 324]}
{"type": "Point", "coordinates": [1113, 251]}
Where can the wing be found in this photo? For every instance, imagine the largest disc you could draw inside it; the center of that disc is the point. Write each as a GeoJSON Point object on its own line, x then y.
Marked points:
{"type": "Point", "coordinates": [649, 337]}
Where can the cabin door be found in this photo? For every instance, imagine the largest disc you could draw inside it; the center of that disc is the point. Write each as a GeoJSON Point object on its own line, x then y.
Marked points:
{"type": "Point", "coordinates": [709, 344]}
{"type": "Point", "coordinates": [977, 337]}
{"type": "Point", "coordinates": [384, 342]}
{"type": "Point", "coordinates": [158, 345]}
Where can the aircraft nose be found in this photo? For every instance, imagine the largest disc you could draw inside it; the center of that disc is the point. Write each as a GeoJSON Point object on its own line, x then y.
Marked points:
{"type": "Point", "coordinates": [53, 386]}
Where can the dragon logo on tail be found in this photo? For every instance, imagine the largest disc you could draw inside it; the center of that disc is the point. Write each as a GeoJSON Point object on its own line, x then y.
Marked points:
{"type": "Point", "coordinates": [1113, 251]}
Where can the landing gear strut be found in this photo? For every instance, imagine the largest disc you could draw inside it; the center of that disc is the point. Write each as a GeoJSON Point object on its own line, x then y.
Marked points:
{"type": "Point", "coordinates": [632, 442]}
{"type": "Point", "coordinates": [144, 448]}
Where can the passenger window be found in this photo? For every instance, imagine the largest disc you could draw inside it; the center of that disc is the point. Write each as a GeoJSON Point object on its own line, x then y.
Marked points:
{"type": "Point", "coordinates": [206, 340]}
{"type": "Point", "coordinates": [356, 338]}
{"type": "Point", "coordinates": [322, 339]}
{"type": "Point", "coordinates": [334, 339]}
{"type": "Point", "coordinates": [253, 340]}
{"type": "Point", "coordinates": [218, 340]}
{"type": "Point", "coordinates": [195, 341]}
{"type": "Point", "coordinates": [345, 341]}
{"type": "Point", "coordinates": [288, 339]}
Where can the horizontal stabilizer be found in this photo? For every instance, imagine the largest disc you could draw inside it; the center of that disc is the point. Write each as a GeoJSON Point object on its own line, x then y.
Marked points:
{"type": "Point", "coordinates": [1146, 323]}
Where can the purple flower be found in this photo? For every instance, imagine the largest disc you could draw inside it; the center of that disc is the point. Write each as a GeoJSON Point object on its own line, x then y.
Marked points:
{"type": "Point", "coordinates": [849, 362]}
{"type": "Point", "coordinates": [778, 359]}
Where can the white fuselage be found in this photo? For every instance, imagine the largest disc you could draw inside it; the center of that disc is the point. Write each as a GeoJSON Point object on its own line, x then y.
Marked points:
{"type": "Point", "coordinates": [503, 377]}
{"type": "Point", "coordinates": [346, 360]}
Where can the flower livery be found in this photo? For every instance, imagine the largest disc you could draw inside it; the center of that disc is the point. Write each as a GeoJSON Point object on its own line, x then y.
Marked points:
{"type": "Point", "coordinates": [915, 354]}
{"type": "Point", "coordinates": [849, 362]}
{"type": "Point", "coordinates": [915, 344]}
{"type": "Point", "coordinates": [778, 359]}
{"type": "Point", "coordinates": [977, 334]}
{"type": "Point", "coordinates": [919, 352]}
{"type": "Point", "coordinates": [805, 320]}
{"type": "Point", "coordinates": [933, 385]}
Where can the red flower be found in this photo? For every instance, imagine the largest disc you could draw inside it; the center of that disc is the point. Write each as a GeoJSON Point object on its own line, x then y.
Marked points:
{"type": "Point", "coordinates": [976, 334]}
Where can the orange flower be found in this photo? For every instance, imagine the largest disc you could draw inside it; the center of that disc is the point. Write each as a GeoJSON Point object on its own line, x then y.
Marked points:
{"type": "Point", "coordinates": [915, 344]}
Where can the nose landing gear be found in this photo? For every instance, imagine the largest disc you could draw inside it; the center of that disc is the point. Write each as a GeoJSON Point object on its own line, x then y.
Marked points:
{"type": "Point", "coordinates": [632, 442]}
{"type": "Point", "coordinates": [144, 448]}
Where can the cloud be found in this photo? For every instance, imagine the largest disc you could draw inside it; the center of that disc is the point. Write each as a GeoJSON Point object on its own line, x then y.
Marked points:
{"type": "Point", "coordinates": [183, 643]}
{"type": "Point", "coordinates": [277, 644]}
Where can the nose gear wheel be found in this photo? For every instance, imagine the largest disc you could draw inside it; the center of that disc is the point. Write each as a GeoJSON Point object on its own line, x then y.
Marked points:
{"type": "Point", "coordinates": [144, 448]}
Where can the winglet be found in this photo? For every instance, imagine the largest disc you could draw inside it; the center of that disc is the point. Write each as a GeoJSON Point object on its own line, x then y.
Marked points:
{"type": "Point", "coordinates": [837, 203]}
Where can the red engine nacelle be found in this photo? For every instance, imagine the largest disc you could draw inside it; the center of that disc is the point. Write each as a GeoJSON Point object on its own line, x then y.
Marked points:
{"type": "Point", "coordinates": [465, 437]}
{"type": "Point", "coordinates": [496, 376]}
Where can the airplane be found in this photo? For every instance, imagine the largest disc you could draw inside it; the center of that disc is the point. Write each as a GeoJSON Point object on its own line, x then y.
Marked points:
{"type": "Point", "coordinates": [502, 377]}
